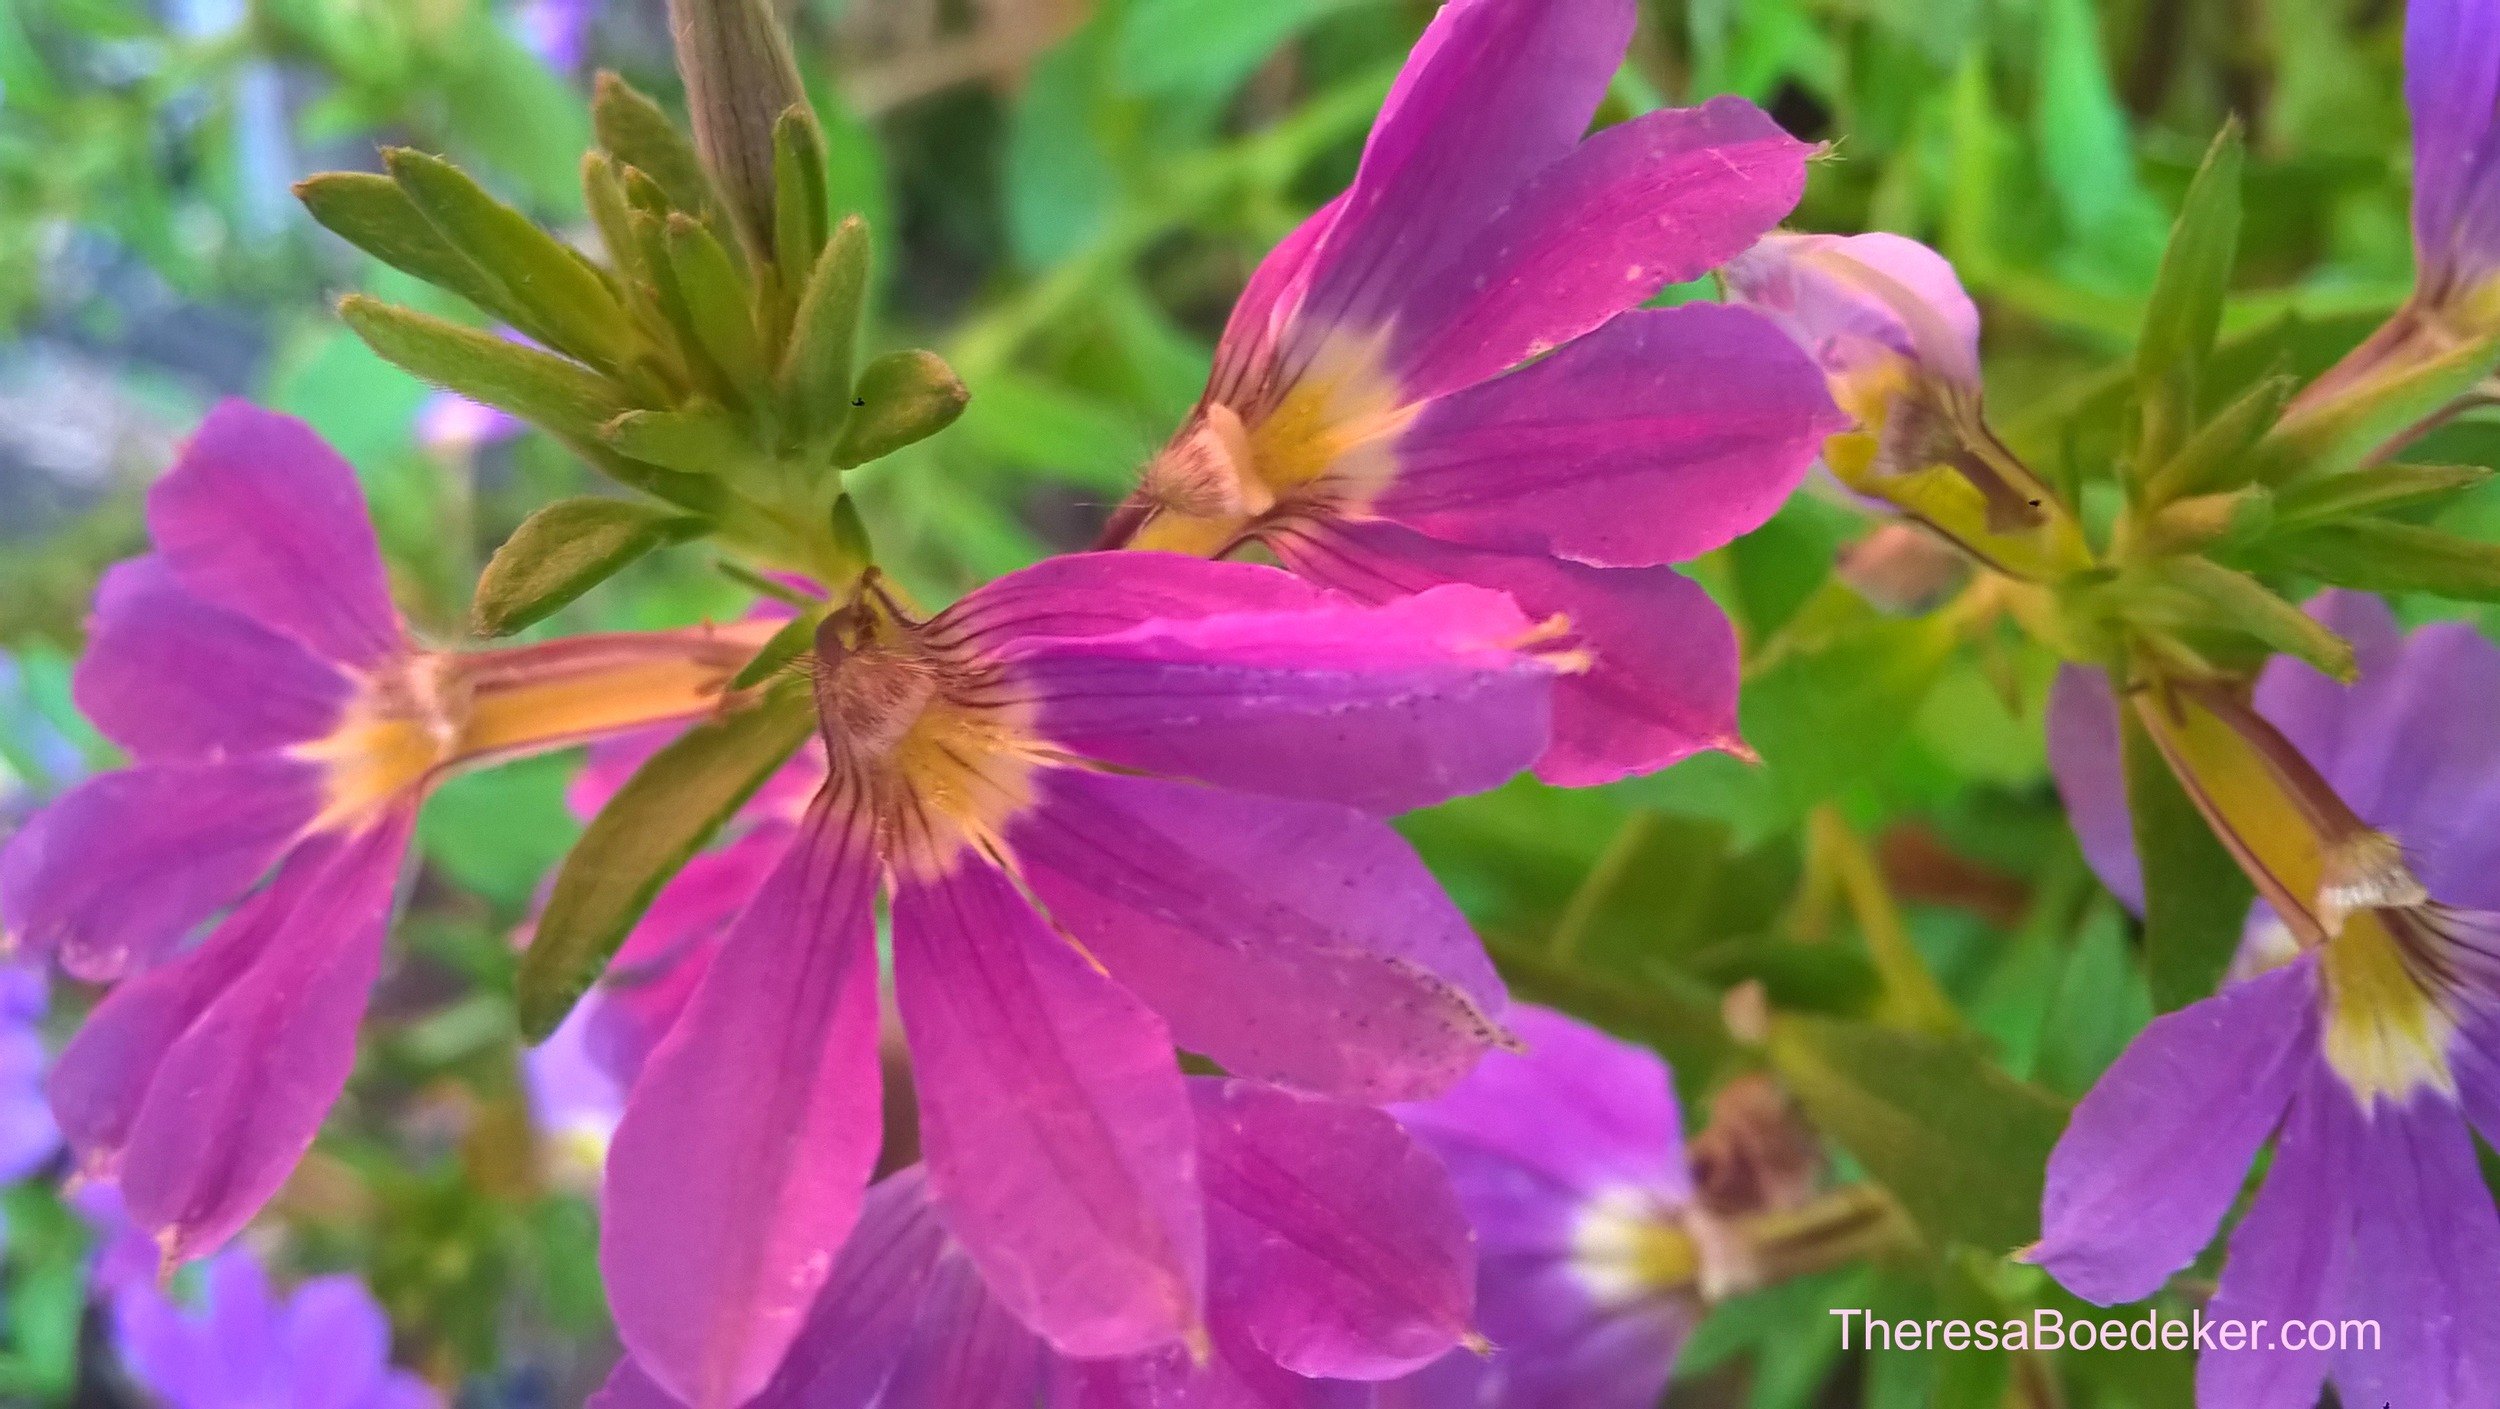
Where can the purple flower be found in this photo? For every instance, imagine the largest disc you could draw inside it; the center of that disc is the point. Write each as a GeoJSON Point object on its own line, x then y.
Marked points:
{"type": "Point", "coordinates": [1332, 1241]}
{"type": "Point", "coordinates": [453, 423]}
{"type": "Point", "coordinates": [28, 1137]}
{"type": "Point", "coordinates": [324, 1346]}
{"type": "Point", "coordinates": [1569, 1159]}
{"type": "Point", "coordinates": [283, 724]}
{"type": "Point", "coordinates": [1118, 802]}
{"type": "Point", "coordinates": [2452, 86]}
{"type": "Point", "coordinates": [1366, 423]}
{"type": "Point", "coordinates": [2368, 1057]}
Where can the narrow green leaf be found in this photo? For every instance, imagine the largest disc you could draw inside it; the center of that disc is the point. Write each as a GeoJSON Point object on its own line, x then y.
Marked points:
{"type": "Point", "coordinates": [2195, 896]}
{"type": "Point", "coordinates": [2186, 307]}
{"type": "Point", "coordinates": [816, 372]}
{"type": "Point", "coordinates": [2218, 457]}
{"type": "Point", "coordinates": [666, 812]}
{"type": "Point", "coordinates": [565, 303]}
{"type": "Point", "coordinates": [564, 550]}
{"type": "Point", "coordinates": [373, 214]}
{"type": "Point", "coordinates": [696, 441]}
{"type": "Point", "coordinates": [2373, 490]}
{"type": "Point", "coordinates": [1960, 1144]}
{"type": "Point", "coordinates": [800, 215]}
{"type": "Point", "coordinates": [2380, 555]}
{"type": "Point", "coordinates": [603, 193]}
{"type": "Point", "coordinates": [900, 398]}
{"type": "Point", "coordinates": [539, 387]}
{"type": "Point", "coordinates": [2219, 597]}
{"type": "Point", "coordinates": [786, 645]}
{"type": "Point", "coordinates": [719, 306]}
{"type": "Point", "coordinates": [636, 132]}
{"type": "Point", "coordinates": [2363, 422]}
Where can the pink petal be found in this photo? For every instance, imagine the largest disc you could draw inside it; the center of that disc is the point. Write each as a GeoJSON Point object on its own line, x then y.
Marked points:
{"type": "Point", "coordinates": [1057, 1131]}
{"type": "Point", "coordinates": [1662, 435]}
{"type": "Point", "coordinates": [1265, 310]}
{"type": "Point", "coordinates": [121, 867]}
{"type": "Point", "coordinates": [1293, 941]}
{"type": "Point", "coordinates": [260, 517]}
{"type": "Point", "coordinates": [661, 964]}
{"type": "Point", "coordinates": [267, 1012]}
{"type": "Point", "coordinates": [965, 1351]}
{"type": "Point", "coordinates": [1335, 1240]}
{"type": "Point", "coordinates": [1384, 708]}
{"type": "Point", "coordinates": [1855, 301]}
{"type": "Point", "coordinates": [167, 676]}
{"type": "Point", "coordinates": [1661, 676]}
{"type": "Point", "coordinates": [737, 1169]}
{"type": "Point", "coordinates": [1099, 594]}
{"type": "Point", "coordinates": [1654, 201]}
{"type": "Point", "coordinates": [1495, 91]}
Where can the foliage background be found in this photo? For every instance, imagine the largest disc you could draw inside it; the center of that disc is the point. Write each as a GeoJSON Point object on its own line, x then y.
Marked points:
{"type": "Point", "coordinates": [1066, 195]}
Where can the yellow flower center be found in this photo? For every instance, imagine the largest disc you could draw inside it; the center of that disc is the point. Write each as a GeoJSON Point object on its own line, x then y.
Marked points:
{"type": "Point", "coordinates": [2387, 990]}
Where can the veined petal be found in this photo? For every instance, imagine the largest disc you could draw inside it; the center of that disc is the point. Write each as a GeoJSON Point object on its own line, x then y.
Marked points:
{"type": "Point", "coordinates": [2425, 1260]}
{"type": "Point", "coordinates": [1292, 941]}
{"type": "Point", "coordinates": [168, 676]}
{"type": "Point", "coordinates": [1654, 201]}
{"type": "Point", "coordinates": [2452, 86]}
{"type": "Point", "coordinates": [1083, 595]}
{"type": "Point", "coordinates": [1662, 435]}
{"type": "Point", "coordinates": [242, 1086]}
{"type": "Point", "coordinates": [965, 1351]}
{"type": "Point", "coordinates": [120, 867]}
{"type": "Point", "coordinates": [739, 1164]}
{"type": "Point", "coordinates": [2087, 758]}
{"type": "Point", "coordinates": [1494, 92]}
{"type": "Point", "coordinates": [1384, 708]}
{"type": "Point", "coordinates": [1057, 1132]}
{"type": "Point", "coordinates": [661, 964]}
{"type": "Point", "coordinates": [2157, 1151]}
{"type": "Point", "coordinates": [1661, 674]}
{"type": "Point", "coordinates": [2287, 1258]}
{"type": "Point", "coordinates": [260, 517]}
{"type": "Point", "coordinates": [1336, 1241]}
{"type": "Point", "coordinates": [1246, 352]}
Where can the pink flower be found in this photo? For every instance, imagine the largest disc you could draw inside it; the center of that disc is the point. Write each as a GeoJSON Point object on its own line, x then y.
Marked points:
{"type": "Point", "coordinates": [281, 720]}
{"type": "Point", "coordinates": [1364, 420]}
{"type": "Point", "coordinates": [1117, 802]}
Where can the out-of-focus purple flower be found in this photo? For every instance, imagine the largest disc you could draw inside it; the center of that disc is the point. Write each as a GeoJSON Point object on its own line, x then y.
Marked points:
{"type": "Point", "coordinates": [575, 1099]}
{"type": "Point", "coordinates": [28, 1137]}
{"type": "Point", "coordinates": [280, 717]}
{"type": "Point", "coordinates": [454, 424]}
{"type": "Point", "coordinates": [1370, 419]}
{"type": "Point", "coordinates": [1569, 1159]}
{"type": "Point", "coordinates": [1332, 1239]}
{"type": "Point", "coordinates": [2452, 86]}
{"type": "Point", "coordinates": [1183, 764]}
{"type": "Point", "coordinates": [2369, 1058]}
{"type": "Point", "coordinates": [326, 1345]}
{"type": "Point", "coordinates": [557, 31]}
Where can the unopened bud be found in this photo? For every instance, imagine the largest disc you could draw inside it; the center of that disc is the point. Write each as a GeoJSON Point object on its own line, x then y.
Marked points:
{"type": "Point", "coordinates": [740, 79]}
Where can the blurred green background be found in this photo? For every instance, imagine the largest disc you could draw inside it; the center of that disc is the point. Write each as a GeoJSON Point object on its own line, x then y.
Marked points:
{"type": "Point", "coordinates": [1065, 197]}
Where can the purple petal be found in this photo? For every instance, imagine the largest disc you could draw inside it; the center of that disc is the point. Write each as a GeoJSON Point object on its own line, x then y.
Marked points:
{"type": "Point", "coordinates": [1384, 708]}
{"type": "Point", "coordinates": [2286, 1256]}
{"type": "Point", "coordinates": [1495, 91]}
{"type": "Point", "coordinates": [121, 867]}
{"type": "Point", "coordinates": [855, 1333]}
{"type": "Point", "coordinates": [232, 1355]}
{"type": "Point", "coordinates": [656, 971]}
{"type": "Point", "coordinates": [1661, 679]}
{"type": "Point", "coordinates": [1083, 595]}
{"type": "Point", "coordinates": [1334, 1238]}
{"type": "Point", "coordinates": [1291, 941]}
{"type": "Point", "coordinates": [1859, 301]}
{"type": "Point", "coordinates": [2088, 760]}
{"type": "Point", "coordinates": [965, 1351]}
{"type": "Point", "coordinates": [1654, 201]}
{"type": "Point", "coordinates": [338, 1344]}
{"type": "Point", "coordinates": [1559, 1347]}
{"type": "Point", "coordinates": [2157, 1151]}
{"type": "Point", "coordinates": [1057, 1131]}
{"type": "Point", "coordinates": [739, 1164]}
{"type": "Point", "coordinates": [1234, 1374]}
{"type": "Point", "coordinates": [2425, 1262]}
{"type": "Point", "coordinates": [1661, 436]}
{"type": "Point", "coordinates": [168, 676]}
{"type": "Point", "coordinates": [2452, 86]}
{"type": "Point", "coordinates": [260, 517]}
{"type": "Point", "coordinates": [237, 1096]}
{"type": "Point", "coordinates": [1265, 310]}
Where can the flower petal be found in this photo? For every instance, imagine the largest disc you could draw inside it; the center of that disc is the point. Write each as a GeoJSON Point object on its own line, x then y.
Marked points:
{"type": "Point", "coordinates": [2452, 87]}
{"type": "Point", "coordinates": [1268, 302]}
{"type": "Point", "coordinates": [1662, 435]}
{"type": "Point", "coordinates": [338, 1344]}
{"type": "Point", "coordinates": [1335, 1240]}
{"type": "Point", "coordinates": [2286, 1258]}
{"type": "Point", "coordinates": [854, 1334]}
{"type": "Point", "coordinates": [1662, 674]}
{"type": "Point", "coordinates": [738, 1167]}
{"type": "Point", "coordinates": [2088, 760]}
{"type": "Point", "coordinates": [167, 676]}
{"type": "Point", "coordinates": [260, 517]}
{"type": "Point", "coordinates": [238, 1095]}
{"type": "Point", "coordinates": [121, 867]}
{"type": "Point", "coordinates": [1857, 301]}
{"type": "Point", "coordinates": [1291, 941]}
{"type": "Point", "coordinates": [1384, 708]}
{"type": "Point", "coordinates": [1494, 92]}
{"type": "Point", "coordinates": [2425, 1260]}
{"type": "Point", "coordinates": [1084, 595]}
{"type": "Point", "coordinates": [1057, 1132]}
{"type": "Point", "coordinates": [1654, 201]}
{"type": "Point", "coordinates": [965, 1351]}
{"type": "Point", "coordinates": [2157, 1151]}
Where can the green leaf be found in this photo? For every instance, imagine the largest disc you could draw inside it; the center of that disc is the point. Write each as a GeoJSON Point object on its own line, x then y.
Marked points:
{"type": "Point", "coordinates": [2213, 597]}
{"type": "Point", "coordinates": [2374, 490]}
{"type": "Point", "coordinates": [2380, 555]}
{"type": "Point", "coordinates": [1205, 47]}
{"type": "Point", "coordinates": [2218, 457]}
{"type": "Point", "coordinates": [666, 812]}
{"type": "Point", "coordinates": [1960, 1144]}
{"type": "Point", "coordinates": [900, 398]}
{"type": "Point", "coordinates": [799, 211]}
{"type": "Point", "coordinates": [697, 440]}
{"type": "Point", "coordinates": [824, 339]}
{"type": "Point", "coordinates": [1837, 691]}
{"type": "Point", "coordinates": [2186, 307]}
{"type": "Point", "coordinates": [717, 304]}
{"type": "Point", "coordinates": [539, 387]}
{"type": "Point", "coordinates": [2360, 423]}
{"type": "Point", "coordinates": [564, 302]}
{"type": "Point", "coordinates": [564, 550]}
{"type": "Point", "coordinates": [786, 645]}
{"type": "Point", "coordinates": [2195, 896]}
{"type": "Point", "coordinates": [372, 213]}
{"type": "Point", "coordinates": [633, 129]}
{"type": "Point", "coordinates": [1061, 186]}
